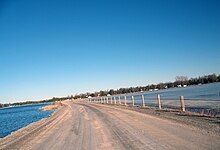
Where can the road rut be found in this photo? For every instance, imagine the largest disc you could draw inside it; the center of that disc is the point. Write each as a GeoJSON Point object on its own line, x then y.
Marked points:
{"type": "Point", "coordinates": [95, 126]}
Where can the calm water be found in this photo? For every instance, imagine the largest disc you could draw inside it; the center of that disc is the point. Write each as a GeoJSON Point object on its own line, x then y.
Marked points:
{"type": "Point", "coordinates": [14, 118]}
{"type": "Point", "coordinates": [198, 92]}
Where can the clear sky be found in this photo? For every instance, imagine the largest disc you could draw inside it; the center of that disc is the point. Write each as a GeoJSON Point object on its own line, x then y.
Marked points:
{"type": "Point", "coordinates": [62, 47]}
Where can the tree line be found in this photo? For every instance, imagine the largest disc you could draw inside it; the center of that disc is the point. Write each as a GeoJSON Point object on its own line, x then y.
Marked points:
{"type": "Point", "coordinates": [179, 82]}
{"type": "Point", "coordinates": [34, 102]}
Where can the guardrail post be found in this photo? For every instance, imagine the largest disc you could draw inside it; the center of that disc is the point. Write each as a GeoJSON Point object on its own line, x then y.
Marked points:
{"type": "Point", "coordinates": [132, 99]}
{"type": "Point", "coordinates": [114, 100]}
{"type": "Point", "coordinates": [158, 101]}
{"type": "Point", "coordinates": [125, 100]}
{"type": "Point", "coordinates": [142, 97]}
{"type": "Point", "coordinates": [182, 104]}
{"type": "Point", "coordinates": [119, 100]}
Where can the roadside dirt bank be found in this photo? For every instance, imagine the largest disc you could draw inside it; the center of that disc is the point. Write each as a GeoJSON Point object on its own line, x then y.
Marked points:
{"type": "Point", "coordinates": [204, 123]}
{"type": "Point", "coordinates": [54, 105]}
{"type": "Point", "coordinates": [81, 125]}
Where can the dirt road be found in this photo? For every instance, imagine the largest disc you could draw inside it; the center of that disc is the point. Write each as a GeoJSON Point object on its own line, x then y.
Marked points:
{"type": "Point", "coordinates": [81, 125]}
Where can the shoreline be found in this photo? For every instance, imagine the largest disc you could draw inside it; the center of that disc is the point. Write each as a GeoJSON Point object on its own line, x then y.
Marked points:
{"type": "Point", "coordinates": [37, 108]}
{"type": "Point", "coordinates": [24, 132]}
{"type": "Point", "coordinates": [33, 124]}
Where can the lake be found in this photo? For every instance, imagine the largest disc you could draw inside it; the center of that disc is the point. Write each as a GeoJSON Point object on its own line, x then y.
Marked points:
{"type": "Point", "coordinates": [199, 98]}
{"type": "Point", "coordinates": [206, 92]}
{"type": "Point", "coordinates": [14, 118]}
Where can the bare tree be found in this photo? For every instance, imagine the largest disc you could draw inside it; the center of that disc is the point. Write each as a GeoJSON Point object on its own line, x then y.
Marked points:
{"type": "Point", "coordinates": [181, 78]}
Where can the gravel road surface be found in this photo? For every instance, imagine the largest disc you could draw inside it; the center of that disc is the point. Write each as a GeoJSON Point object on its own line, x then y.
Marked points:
{"type": "Point", "coordinates": [80, 125]}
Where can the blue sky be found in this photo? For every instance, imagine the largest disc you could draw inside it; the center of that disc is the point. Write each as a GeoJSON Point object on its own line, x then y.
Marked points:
{"type": "Point", "coordinates": [63, 47]}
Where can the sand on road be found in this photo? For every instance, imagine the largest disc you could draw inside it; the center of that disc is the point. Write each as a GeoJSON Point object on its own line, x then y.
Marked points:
{"type": "Point", "coordinates": [81, 125]}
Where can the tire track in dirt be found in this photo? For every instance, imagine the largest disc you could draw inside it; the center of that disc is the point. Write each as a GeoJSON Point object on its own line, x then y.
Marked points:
{"type": "Point", "coordinates": [80, 125]}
